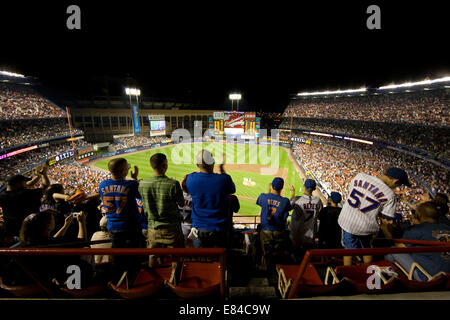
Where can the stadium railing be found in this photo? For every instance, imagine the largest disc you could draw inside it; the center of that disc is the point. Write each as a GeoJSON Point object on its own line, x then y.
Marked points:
{"type": "Point", "coordinates": [290, 288]}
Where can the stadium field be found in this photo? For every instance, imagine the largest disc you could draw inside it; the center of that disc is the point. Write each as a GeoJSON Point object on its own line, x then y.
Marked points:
{"type": "Point", "coordinates": [252, 167]}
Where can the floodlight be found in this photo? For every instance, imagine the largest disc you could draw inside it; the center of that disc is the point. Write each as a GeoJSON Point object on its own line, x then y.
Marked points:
{"type": "Point", "coordinates": [418, 83]}
{"type": "Point", "coordinates": [12, 74]}
{"type": "Point", "coordinates": [133, 91]}
{"type": "Point", "coordinates": [331, 92]}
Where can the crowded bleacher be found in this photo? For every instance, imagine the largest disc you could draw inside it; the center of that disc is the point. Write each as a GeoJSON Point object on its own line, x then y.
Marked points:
{"type": "Point", "coordinates": [23, 102]}
{"type": "Point", "coordinates": [121, 143]}
{"type": "Point", "coordinates": [421, 107]}
{"type": "Point", "coordinates": [335, 162]}
{"type": "Point", "coordinates": [17, 132]}
{"type": "Point", "coordinates": [25, 161]}
{"type": "Point", "coordinates": [427, 138]}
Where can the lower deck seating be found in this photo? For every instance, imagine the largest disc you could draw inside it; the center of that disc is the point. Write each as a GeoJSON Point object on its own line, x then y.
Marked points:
{"type": "Point", "coordinates": [197, 280]}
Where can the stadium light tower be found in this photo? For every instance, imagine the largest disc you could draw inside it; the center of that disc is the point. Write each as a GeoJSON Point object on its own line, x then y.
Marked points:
{"type": "Point", "coordinates": [134, 108]}
{"type": "Point", "coordinates": [237, 97]}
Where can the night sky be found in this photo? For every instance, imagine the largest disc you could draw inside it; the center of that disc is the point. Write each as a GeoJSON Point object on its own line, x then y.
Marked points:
{"type": "Point", "coordinates": [200, 51]}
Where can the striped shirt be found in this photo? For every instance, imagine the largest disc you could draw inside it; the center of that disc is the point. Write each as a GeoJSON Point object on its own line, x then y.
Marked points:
{"type": "Point", "coordinates": [368, 197]}
{"type": "Point", "coordinates": [161, 196]}
{"type": "Point", "coordinates": [303, 224]}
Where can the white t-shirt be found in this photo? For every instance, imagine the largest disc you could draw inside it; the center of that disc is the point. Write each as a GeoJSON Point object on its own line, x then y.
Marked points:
{"type": "Point", "coordinates": [303, 224]}
{"type": "Point", "coordinates": [368, 196]}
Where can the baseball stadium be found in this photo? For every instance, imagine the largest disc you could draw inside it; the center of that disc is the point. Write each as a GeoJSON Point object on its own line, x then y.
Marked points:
{"type": "Point", "coordinates": [75, 146]}
{"type": "Point", "coordinates": [170, 181]}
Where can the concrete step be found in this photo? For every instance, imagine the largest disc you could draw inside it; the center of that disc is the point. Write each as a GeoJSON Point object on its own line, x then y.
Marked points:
{"type": "Point", "coordinates": [253, 292]}
{"type": "Point", "coordinates": [258, 282]}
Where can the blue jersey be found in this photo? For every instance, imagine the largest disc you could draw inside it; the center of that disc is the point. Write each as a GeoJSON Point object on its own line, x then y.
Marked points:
{"type": "Point", "coordinates": [142, 218]}
{"type": "Point", "coordinates": [209, 192]}
{"type": "Point", "coordinates": [119, 201]}
{"type": "Point", "coordinates": [274, 211]}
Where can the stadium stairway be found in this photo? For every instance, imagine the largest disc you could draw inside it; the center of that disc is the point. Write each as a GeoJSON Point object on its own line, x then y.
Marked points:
{"type": "Point", "coordinates": [245, 281]}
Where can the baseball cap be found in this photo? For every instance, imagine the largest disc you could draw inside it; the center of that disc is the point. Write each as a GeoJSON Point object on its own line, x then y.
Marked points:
{"type": "Point", "coordinates": [16, 179]}
{"type": "Point", "coordinates": [78, 197]}
{"type": "Point", "coordinates": [103, 222]}
{"type": "Point", "coordinates": [336, 197]}
{"type": "Point", "coordinates": [310, 184]}
{"type": "Point", "coordinates": [399, 174]}
{"type": "Point", "coordinates": [205, 157]}
{"type": "Point", "coordinates": [278, 183]}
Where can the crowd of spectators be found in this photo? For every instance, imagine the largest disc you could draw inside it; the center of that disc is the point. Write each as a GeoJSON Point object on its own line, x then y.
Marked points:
{"type": "Point", "coordinates": [136, 141]}
{"type": "Point", "coordinates": [335, 162]}
{"type": "Point", "coordinates": [270, 120]}
{"type": "Point", "coordinates": [419, 107]}
{"type": "Point", "coordinates": [24, 161]}
{"type": "Point", "coordinates": [427, 138]}
{"type": "Point", "coordinates": [73, 175]}
{"type": "Point", "coordinates": [17, 132]}
{"type": "Point", "coordinates": [23, 102]}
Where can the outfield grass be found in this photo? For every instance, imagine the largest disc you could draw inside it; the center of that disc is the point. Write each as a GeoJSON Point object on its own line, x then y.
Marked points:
{"type": "Point", "coordinates": [182, 161]}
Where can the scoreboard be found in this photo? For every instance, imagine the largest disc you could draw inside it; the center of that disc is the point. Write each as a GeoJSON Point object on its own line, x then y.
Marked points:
{"type": "Point", "coordinates": [244, 125]}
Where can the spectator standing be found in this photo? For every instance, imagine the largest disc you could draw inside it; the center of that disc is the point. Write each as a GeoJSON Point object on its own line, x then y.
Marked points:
{"type": "Point", "coordinates": [274, 212]}
{"type": "Point", "coordinates": [303, 224]}
{"type": "Point", "coordinates": [186, 215]}
{"type": "Point", "coordinates": [209, 191]}
{"type": "Point", "coordinates": [162, 196]}
{"type": "Point", "coordinates": [55, 199]}
{"type": "Point", "coordinates": [369, 196]}
{"type": "Point", "coordinates": [118, 197]}
{"type": "Point", "coordinates": [330, 233]}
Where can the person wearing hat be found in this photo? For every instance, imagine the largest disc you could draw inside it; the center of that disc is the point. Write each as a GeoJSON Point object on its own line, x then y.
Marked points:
{"type": "Point", "coordinates": [274, 212]}
{"type": "Point", "coordinates": [210, 212]}
{"type": "Point", "coordinates": [19, 199]}
{"type": "Point", "coordinates": [303, 224]}
{"type": "Point", "coordinates": [329, 230]}
{"type": "Point", "coordinates": [427, 228]}
{"type": "Point", "coordinates": [102, 235]}
{"type": "Point", "coordinates": [369, 197]}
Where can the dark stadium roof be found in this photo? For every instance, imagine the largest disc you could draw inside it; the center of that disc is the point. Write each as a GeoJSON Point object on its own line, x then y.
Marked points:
{"type": "Point", "coordinates": [198, 52]}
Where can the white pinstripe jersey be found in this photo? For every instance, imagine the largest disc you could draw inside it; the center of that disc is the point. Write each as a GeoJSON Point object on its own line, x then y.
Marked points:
{"type": "Point", "coordinates": [368, 196]}
{"type": "Point", "coordinates": [303, 225]}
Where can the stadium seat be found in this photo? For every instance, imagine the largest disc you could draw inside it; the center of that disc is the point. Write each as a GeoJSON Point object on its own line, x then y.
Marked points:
{"type": "Point", "coordinates": [147, 283]}
{"type": "Point", "coordinates": [357, 277]}
{"type": "Point", "coordinates": [31, 290]}
{"type": "Point", "coordinates": [196, 280]}
{"type": "Point", "coordinates": [309, 284]}
{"type": "Point", "coordinates": [440, 281]}
{"type": "Point", "coordinates": [92, 291]}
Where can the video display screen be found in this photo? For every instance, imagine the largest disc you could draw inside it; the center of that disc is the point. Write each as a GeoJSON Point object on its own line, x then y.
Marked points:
{"type": "Point", "coordinates": [157, 127]}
